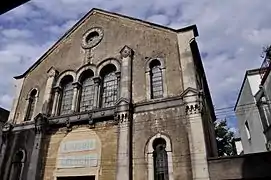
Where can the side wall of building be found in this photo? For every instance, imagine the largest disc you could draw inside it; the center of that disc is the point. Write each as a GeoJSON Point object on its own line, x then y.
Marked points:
{"type": "Point", "coordinates": [252, 136]}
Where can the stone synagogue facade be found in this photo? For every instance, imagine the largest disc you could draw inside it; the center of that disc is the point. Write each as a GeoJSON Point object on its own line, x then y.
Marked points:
{"type": "Point", "coordinates": [116, 98]}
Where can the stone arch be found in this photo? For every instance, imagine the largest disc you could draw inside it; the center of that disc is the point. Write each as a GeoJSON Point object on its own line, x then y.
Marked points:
{"type": "Point", "coordinates": [149, 155]}
{"type": "Point", "coordinates": [106, 62]}
{"type": "Point", "coordinates": [148, 62]}
{"type": "Point", "coordinates": [31, 90]}
{"type": "Point", "coordinates": [32, 97]}
{"type": "Point", "coordinates": [79, 149]}
{"type": "Point", "coordinates": [65, 73]}
{"type": "Point", "coordinates": [148, 76]}
{"type": "Point", "coordinates": [81, 70]}
{"type": "Point", "coordinates": [18, 161]}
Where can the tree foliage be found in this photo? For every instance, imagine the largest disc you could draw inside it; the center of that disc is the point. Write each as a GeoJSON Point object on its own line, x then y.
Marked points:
{"type": "Point", "coordinates": [225, 139]}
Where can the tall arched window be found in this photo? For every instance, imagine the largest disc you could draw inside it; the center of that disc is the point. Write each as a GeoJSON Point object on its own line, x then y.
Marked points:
{"type": "Point", "coordinates": [66, 95]}
{"type": "Point", "coordinates": [17, 165]}
{"type": "Point", "coordinates": [156, 79]}
{"type": "Point", "coordinates": [87, 91]}
{"type": "Point", "coordinates": [31, 105]}
{"type": "Point", "coordinates": [160, 160]}
{"type": "Point", "coordinates": [109, 87]}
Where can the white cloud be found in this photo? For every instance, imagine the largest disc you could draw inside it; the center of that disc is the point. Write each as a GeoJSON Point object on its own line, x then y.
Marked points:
{"type": "Point", "coordinates": [16, 33]}
{"type": "Point", "coordinates": [232, 34]}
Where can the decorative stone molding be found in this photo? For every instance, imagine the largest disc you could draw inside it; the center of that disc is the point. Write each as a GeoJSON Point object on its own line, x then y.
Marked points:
{"type": "Point", "coordinates": [106, 62]}
{"type": "Point", "coordinates": [65, 73]}
{"type": "Point", "coordinates": [92, 37]}
{"type": "Point", "coordinates": [7, 127]}
{"type": "Point", "coordinates": [193, 108]}
{"type": "Point", "coordinates": [122, 117]}
{"type": "Point", "coordinates": [41, 123]}
{"type": "Point", "coordinates": [97, 80]}
{"type": "Point", "coordinates": [68, 125]}
{"type": "Point", "coordinates": [268, 145]}
{"type": "Point", "coordinates": [126, 51]}
{"type": "Point", "coordinates": [91, 121]}
{"type": "Point", "coordinates": [52, 72]}
{"type": "Point", "coordinates": [84, 68]}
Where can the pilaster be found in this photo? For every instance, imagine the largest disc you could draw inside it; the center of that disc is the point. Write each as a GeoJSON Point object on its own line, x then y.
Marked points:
{"type": "Point", "coordinates": [51, 73]}
{"type": "Point", "coordinates": [97, 82]}
{"type": "Point", "coordinates": [76, 89]}
{"type": "Point", "coordinates": [35, 166]}
{"type": "Point", "coordinates": [123, 116]}
{"type": "Point", "coordinates": [197, 146]}
{"type": "Point", "coordinates": [55, 107]}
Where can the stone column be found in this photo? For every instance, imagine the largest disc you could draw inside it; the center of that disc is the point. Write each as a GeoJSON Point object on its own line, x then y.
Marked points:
{"type": "Point", "coordinates": [97, 82]}
{"type": "Point", "coordinates": [56, 102]}
{"type": "Point", "coordinates": [124, 166]}
{"type": "Point", "coordinates": [35, 164]}
{"type": "Point", "coordinates": [195, 131]}
{"type": "Point", "coordinates": [52, 73]}
{"type": "Point", "coordinates": [75, 98]}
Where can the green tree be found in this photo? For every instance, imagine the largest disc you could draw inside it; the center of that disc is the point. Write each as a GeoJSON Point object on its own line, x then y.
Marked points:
{"type": "Point", "coordinates": [224, 139]}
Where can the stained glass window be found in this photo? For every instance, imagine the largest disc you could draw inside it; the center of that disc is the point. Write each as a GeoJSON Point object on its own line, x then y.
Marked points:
{"type": "Point", "coordinates": [160, 160]}
{"type": "Point", "coordinates": [109, 87]}
{"type": "Point", "coordinates": [87, 93]}
{"type": "Point", "coordinates": [156, 80]}
{"type": "Point", "coordinates": [31, 105]}
{"type": "Point", "coordinates": [67, 95]}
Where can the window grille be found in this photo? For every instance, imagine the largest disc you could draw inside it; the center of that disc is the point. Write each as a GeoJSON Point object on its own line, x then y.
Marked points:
{"type": "Point", "coordinates": [67, 95]}
{"type": "Point", "coordinates": [87, 95]}
{"type": "Point", "coordinates": [156, 80]}
{"type": "Point", "coordinates": [160, 160]}
{"type": "Point", "coordinates": [109, 89]}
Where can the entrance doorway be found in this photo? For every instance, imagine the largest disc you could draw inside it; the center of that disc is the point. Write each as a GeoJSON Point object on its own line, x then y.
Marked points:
{"type": "Point", "coordinates": [77, 178]}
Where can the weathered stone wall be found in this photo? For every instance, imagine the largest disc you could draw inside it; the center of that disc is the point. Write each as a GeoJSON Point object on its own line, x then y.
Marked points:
{"type": "Point", "coordinates": [145, 40]}
{"type": "Point", "coordinates": [250, 166]}
{"type": "Point", "coordinates": [20, 140]}
{"type": "Point", "coordinates": [172, 123]}
{"type": "Point", "coordinates": [107, 134]}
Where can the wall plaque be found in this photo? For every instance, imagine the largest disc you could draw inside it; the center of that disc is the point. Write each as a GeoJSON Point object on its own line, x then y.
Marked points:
{"type": "Point", "coordinates": [90, 160]}
{"type": "Point", "coordinates": [76, 146]}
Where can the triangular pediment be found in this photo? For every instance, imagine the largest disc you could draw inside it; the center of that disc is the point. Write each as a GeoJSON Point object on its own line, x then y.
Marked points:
{"type": "Point", "coordinates": [106, 14]}
{"type": "Point", "coordinates": [190, 92]}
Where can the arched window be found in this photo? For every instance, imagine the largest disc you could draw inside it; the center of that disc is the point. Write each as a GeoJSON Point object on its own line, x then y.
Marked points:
{"type": "Point", "coordinates": [109, 86]}
{"type": "Point", "coordinates": [17, 165]}
{"type": "Point", "coordinates": [87, 91]}
{"type": "Point", "coordinates": [66, 95]}
{"type": "Point", "coordinates": [31, 105]}
{"type": "Point", "coordinates": [160, 159]}
{"type": "Point", "coordinates": [156, 79]}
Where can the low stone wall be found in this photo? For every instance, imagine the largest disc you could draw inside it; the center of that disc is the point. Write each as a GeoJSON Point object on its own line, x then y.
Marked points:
{"type": "Point", "coordinates": [249, 166]}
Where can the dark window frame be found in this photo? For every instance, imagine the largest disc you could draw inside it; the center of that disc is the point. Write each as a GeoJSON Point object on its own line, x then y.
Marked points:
{"type": "Point", "coordinates": [31, 105]}
{"type": "Point", "coordinates": [109, 86]}
{"type": "Point", "coordinates": [160, 160]}
{"type": "Point", "coordinates": [66, 95]}
{"type": "Point", "coordinates": [156, 79]}
{"type": "Point", "coordinates": [87, 92]}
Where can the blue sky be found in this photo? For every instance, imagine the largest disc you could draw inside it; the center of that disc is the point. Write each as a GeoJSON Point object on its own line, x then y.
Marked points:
{"type": "Point", "coordinates": [232, 34]}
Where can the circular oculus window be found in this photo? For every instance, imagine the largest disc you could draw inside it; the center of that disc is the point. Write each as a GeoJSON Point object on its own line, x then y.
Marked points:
{"type": "Point", "coordinates": [92, 38]}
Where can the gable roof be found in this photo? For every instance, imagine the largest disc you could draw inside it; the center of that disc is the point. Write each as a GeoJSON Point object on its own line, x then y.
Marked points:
{"type": "Point", "coordinates": [248, 72]}
{"type": "Point", "coordinates": [95, 10]}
